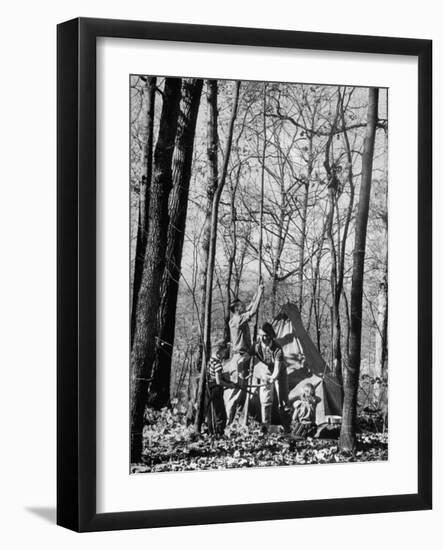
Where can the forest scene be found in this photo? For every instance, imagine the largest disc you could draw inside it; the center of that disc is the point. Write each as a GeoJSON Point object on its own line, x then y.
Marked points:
{"type": "Point", "coordinates": [259, 274]}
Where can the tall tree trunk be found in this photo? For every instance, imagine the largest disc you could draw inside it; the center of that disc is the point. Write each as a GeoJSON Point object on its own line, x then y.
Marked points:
{"type": "Point", "coordinates": [315, 281]}
{"type": "Point", "coordinates": [381, 335]}
{"type": "Point", "coordinates": [348, 322]}
{"type": "Point", "coordinates": [212, 152]}
{"type": "Point", "coordinates": [335, 308]}
{"type": "Point", "coordinates": [211, 263]}
{"type": "Point", "coordinates": [381, 339]}
{"type": "Point", "coordinates": [147, 131]}
{"type": "Point", "coordinates": [226, 331]}
{"type": "Point", "coordinates": [352, 370]}
{"type": "Point", "coordinates": [232, 255]}
{"type": "Point", "coordinates": [341, 263]}
{"type": "Point", "coordinates": [145, 337]}
{"type": "Point", "coordinates": [159, 388]}
{"type": "Point", "coordinates": [260, 260]}
{"type": "Point", "coordinates": [301, 258]}
{"type": "Point", "coordinates": [278, 252]}
{"type": "Point", "coordinates": [334, 192]}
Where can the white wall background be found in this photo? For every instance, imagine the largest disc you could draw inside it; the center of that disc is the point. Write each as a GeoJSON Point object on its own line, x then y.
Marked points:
{"type": "Point", "coordinates": [27, 274]}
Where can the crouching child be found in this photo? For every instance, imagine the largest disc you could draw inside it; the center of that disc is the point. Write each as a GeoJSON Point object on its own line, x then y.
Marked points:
{"type": "Point", "coordinates": [305, 407]}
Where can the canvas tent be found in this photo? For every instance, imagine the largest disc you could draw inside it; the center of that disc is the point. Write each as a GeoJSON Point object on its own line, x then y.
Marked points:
{"type": "Point", "coordinates": [304, 364]}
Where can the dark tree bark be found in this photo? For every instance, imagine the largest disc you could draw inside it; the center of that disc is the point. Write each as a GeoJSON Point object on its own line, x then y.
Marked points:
{"type": "Point", "coordinates": [159, 388]}
{"type": "Point", "coordinates": [352, 370]}
{"type": "Point", "coordinates": [211, 263]}
{"type": "Point", "coordinates": [147, 131]}
{"type": "Point", "coordinates": [145, 336]}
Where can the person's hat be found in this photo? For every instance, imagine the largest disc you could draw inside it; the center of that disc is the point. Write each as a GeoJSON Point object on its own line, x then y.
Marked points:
{"type": "Point", "coordinates": [235, 302]}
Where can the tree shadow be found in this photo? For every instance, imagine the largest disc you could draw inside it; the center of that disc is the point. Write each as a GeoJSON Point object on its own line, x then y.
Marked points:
{"type": "Point", "coordinates": [46, 513]}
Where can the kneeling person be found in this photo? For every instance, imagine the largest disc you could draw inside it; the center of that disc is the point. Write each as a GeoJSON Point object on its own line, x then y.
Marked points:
{"type": "Point", "coordinates": [304, 411]}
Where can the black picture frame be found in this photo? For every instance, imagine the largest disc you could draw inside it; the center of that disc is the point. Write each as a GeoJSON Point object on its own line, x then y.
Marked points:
{"type": "Point", "coordinates": [76, 280]}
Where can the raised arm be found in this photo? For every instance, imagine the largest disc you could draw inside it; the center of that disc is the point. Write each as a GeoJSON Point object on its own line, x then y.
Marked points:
{"type": "Point", "coordinates": [253, 306]}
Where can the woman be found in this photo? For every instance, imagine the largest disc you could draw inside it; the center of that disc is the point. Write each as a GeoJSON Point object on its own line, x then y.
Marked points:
{"type": "Point", "coordinates": [274, 380]}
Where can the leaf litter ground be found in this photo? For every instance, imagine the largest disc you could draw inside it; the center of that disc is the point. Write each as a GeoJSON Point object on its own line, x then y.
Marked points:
{"type": "Point", "coordinates": [171, 446]}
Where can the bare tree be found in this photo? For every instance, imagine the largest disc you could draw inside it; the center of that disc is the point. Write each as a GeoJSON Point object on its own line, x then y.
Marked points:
{"type": "Point", "coordinates": [145, 336]}
{"type": "Point", "coordinates": [212, 152]}
{"type": "Point", "coordinates": [211, 262]}
{"type": "Point", "coordinates": [147, 132]}
{"type": "Point", "coordinates": [181, 175]}
{"type": "Point", "coordinates": [352, 370]}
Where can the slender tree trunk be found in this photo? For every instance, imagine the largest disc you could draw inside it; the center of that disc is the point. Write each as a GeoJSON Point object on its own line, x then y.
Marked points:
{"type": "Point", "coordinates": [145, 337]}
{"type": "Point", "coordinates": [159, 388]}
{"type": "Point", "coordinates": [211, 263]}
{"type": "Point", "coordinates": [147, 133]}
{"type": "Point", "coordinates": [316, 287]}
{"type": "Point", "coordinates": [212, 152]}
{"type": "Point", "coordinates": [341, 263]}
{"type": "Point", "coordinates": [335, 308]}
{"type": "Point", "coordinates": [315, 280]}
{"type": "Point", "coordinates": [348, 321]}
{"type": "Point", "coordinates": [334, 192]}
{"type": "Point", "coordinates": [301, 258]}
{"type": "Point", "coordinates": [352, 371]}
{"type": "Point", "coordinates": [262, 198]}
{"type": "Point", "coordinates": [381, 340]}
{"type": "Point", "coordinates": [260, 259]}
{"type": "Point", "coordinates": [280, 242]}
{"type": "Point", "coordinates": [278, 253]}
{"type": "Point", "coordinates": [226, 331]}
{"type": "Point", "coordinates": [232, 255]}
{"type": "Point", "coordinates": [381, 334]}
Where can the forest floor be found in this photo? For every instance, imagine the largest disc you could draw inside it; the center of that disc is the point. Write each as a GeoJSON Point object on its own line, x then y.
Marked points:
{"type": "Point", "coordinates": [171, 446]}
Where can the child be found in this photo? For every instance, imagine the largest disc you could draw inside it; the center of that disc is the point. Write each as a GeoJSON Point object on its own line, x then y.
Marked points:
{"type": "Point", "coordinates": [216, 412]}
{"type": "Point", "coordinates": [304, 411]}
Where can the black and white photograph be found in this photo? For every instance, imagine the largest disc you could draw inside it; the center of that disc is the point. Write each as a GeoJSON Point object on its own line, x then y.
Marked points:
{"type": "Point", "coordinates": [259, 269]}
{"type": "Point", "coordinates": [220, 292]}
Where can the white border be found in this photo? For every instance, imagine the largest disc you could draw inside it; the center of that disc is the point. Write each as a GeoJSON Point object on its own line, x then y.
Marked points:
{"type": "Point", "coordinates": [116, 489]}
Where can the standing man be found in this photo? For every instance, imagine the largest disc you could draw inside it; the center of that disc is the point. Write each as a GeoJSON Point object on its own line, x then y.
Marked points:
{"type": "Point", "coordinates": [274, 378]}
{"type": "Point", "coordinates": [241, 346]}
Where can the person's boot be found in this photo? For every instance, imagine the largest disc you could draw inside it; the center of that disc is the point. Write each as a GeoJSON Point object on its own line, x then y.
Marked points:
{"type": "Point", "coordinates": [264, 428]}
